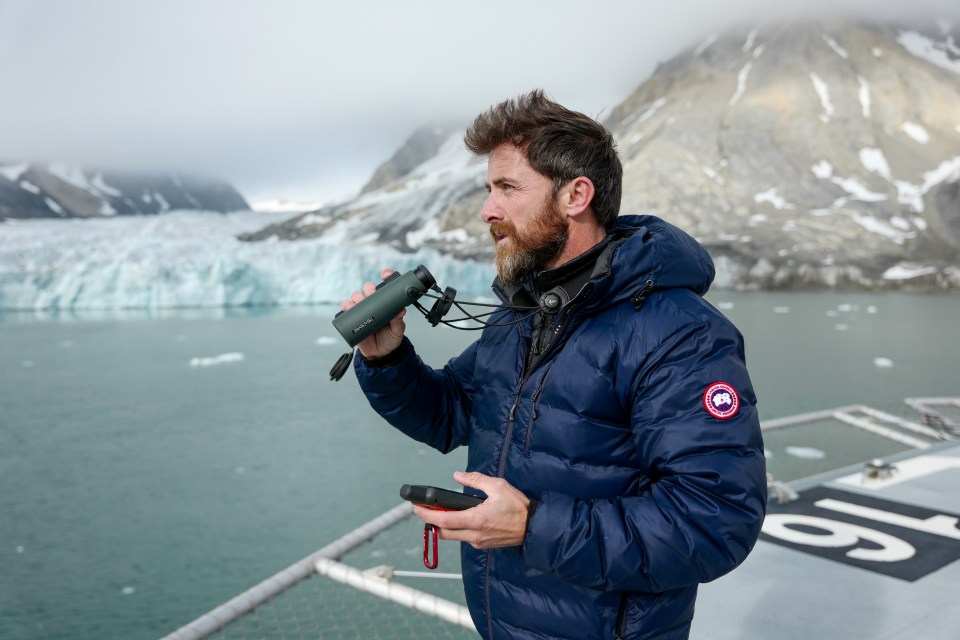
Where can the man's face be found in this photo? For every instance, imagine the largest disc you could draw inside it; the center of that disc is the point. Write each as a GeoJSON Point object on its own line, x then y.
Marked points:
{"type": "Point", "coordinates": [528, 229]}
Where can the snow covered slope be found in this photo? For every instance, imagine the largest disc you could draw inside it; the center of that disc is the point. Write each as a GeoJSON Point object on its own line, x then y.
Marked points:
{"type": "Point", "coordinates": [802, 156]}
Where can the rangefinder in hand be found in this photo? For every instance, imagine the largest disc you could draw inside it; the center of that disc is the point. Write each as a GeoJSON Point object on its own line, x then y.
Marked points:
{"type": "Point", "coordinates": [377, 309]}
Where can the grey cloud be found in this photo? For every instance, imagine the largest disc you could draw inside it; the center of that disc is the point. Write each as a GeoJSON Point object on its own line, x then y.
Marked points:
{"type": "Point", "coordinates": [260, 91]}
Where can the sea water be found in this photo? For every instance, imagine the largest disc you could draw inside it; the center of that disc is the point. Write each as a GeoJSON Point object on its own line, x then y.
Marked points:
{"type": "Point", "coordinates": [153, 466]}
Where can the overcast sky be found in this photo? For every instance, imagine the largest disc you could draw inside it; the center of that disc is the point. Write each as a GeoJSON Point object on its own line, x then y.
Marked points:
{"type": "Point", "coordinates": [303, 99]}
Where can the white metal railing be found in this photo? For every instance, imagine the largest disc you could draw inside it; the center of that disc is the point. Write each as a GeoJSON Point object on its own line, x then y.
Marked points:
{"type": "Point", "coordinates": [251, 598]}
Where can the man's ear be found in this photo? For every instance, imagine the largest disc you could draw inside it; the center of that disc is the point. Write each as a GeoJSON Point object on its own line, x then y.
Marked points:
{"type": "Point", "coordinates": [576, 196]}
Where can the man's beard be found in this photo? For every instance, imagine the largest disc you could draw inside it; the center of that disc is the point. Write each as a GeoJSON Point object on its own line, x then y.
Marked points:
{"type": "Point", "coordinates": [531, 249]}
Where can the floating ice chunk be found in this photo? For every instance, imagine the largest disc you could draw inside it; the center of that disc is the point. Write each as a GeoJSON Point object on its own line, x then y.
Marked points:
{"type": "Point", "coordinates": [882, 363]}
{"type": "Point", "coordinates": [212, 361]}
{"type": "Point", "coordinates": [180, 337]}
{"type": "Point", "coordinates": [845, 307]}
{"type": "Point", "coordinates": [916, 132]}
{"type": "Point", "coordinates": [324, 341]}
{"type": "Point", "coordinates": [26, 363]}
{"type": "Point", "coordinates": [871, 309]}
{"type": "Point", "coordinates": [19, 548]}
{"type": "Point", "coordinates": [807, 453]}
{"type": "Point", "coordinates": [726, 306]}
{"type": "Point", "coordinates": [66, 343]}
{"type": "Point", "coordinates": [781, 309]}
{"type": "Point", "coordinates": [832, 313]}
{"type": "Point", "coordinates": [240, 471]}
{"type": "Point", "coordinates": [128, 591]}
{"type": "Point", "coordinates": [841, 327]}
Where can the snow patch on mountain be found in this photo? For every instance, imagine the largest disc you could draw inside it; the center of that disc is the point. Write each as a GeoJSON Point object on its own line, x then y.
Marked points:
{"type": "Point", "coordinates": [836, 47]}
{"type": "Point", "coordinates": [741, 83]}
{"type": "Point", "coordinates": [823, 92]}
{"type": "Point", "coordinates": [864, 95]}
{"type": "Point", "coordinates": [12, 172]}
{"type": "Point", "coordinates": [915, 131]}
{"type": "Point", "coordinates": [874, 161]}
{"type": "Point", "coordinates": [937, 53]}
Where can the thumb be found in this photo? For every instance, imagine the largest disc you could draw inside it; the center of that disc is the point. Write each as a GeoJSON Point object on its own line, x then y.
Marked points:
{"type": "Point", "coordinates": [474, 480]}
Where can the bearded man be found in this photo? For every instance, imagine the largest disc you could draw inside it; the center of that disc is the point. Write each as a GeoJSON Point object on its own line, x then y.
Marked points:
{"type": "Point", "coordinates": [615, 432]}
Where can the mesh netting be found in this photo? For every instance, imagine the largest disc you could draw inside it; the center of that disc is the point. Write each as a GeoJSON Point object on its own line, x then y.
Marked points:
{"type": "Point", "coordinates": [318, 607]}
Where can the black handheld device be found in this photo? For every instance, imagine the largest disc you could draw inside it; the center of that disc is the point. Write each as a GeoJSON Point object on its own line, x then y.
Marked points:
{"type": "Point", "coordinates": [437, 498]}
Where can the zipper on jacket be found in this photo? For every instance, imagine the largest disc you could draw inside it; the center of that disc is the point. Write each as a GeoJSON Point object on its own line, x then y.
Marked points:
{"type": "Point", "coordinates": [533, 410]}
{"type": "Point", "coordinates": [500, 468]}
{"type": "Point", "coordinates": [621, 617]}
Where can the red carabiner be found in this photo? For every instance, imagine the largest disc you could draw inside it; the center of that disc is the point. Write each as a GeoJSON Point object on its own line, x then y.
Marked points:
{"type": "Point", "coordinates": [429, 529]}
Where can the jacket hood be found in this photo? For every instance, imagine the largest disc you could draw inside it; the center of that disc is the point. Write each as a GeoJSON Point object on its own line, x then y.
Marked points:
{"type": "Point", "coordinates": [644, 254]}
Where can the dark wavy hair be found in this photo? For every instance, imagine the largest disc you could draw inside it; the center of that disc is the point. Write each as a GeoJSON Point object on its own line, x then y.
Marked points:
{"type": "Point", "coordinates": [558, 143]}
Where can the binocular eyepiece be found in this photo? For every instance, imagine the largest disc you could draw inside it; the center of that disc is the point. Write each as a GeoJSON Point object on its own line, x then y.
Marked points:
{"type": "Point", "coordinates": [377, 309]}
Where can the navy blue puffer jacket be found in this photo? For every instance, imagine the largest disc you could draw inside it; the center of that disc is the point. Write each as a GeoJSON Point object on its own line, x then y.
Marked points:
{"type": "Point", "coordinates": [643, 490]}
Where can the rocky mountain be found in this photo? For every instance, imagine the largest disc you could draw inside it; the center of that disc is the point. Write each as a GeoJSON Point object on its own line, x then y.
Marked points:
{"type": "Point", "coordinates": [419, 147]}
{"type": "Point", "coordinates": [801, 156]}
{"type": "Point", "coordinates": [61, 191]}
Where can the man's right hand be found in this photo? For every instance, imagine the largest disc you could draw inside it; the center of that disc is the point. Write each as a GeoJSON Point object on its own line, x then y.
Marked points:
{"type": "Point", "coordinates": [386, 339]}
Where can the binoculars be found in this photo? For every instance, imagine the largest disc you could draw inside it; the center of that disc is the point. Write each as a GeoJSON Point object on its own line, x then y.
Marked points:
{"type": "Point", "coordinates": [377, 309]}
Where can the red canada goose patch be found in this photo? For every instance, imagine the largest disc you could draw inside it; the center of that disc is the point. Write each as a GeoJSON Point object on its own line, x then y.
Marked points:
{"type": "Point", "coordinates": [721, 400]}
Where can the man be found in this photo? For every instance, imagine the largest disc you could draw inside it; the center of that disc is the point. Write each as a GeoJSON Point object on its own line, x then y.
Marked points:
{"type": "Point", "coordinates": [614, 431]}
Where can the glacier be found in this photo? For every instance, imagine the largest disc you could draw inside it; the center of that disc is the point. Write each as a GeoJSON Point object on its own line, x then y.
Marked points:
{"type": "Point", "coordinates": [194, 259]}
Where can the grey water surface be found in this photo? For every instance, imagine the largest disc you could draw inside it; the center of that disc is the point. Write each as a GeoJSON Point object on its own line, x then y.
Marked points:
{"type": "Point", "coordinates": [139, 489]}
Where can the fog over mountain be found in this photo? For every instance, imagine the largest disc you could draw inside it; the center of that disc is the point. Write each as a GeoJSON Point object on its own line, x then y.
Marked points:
{"type": "Point", "coordinates": [818, 155]}
{"type": "Point", "coordinates": [32, 190]}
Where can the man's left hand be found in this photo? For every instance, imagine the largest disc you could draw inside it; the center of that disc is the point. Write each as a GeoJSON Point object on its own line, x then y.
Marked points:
{"type": "Point", "coordinates": [500, 521]}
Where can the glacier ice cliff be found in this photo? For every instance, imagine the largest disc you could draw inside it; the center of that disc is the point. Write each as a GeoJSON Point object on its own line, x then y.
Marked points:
{"type": "Point", "coordinates": [192, 259]}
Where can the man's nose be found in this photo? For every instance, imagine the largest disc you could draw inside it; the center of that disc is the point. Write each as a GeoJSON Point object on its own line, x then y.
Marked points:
{"type": "Point", "coordinates": [490, 212]}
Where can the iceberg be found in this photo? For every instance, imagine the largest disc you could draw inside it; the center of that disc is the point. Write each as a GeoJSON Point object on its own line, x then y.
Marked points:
{"type": "Point", "coordinates": [194, 259]}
